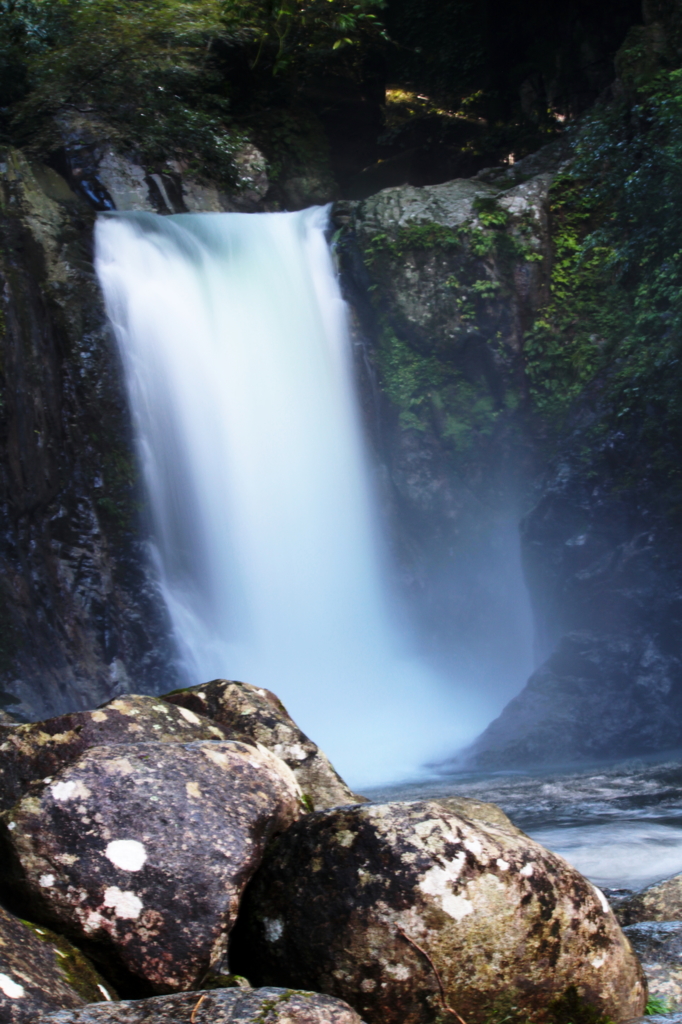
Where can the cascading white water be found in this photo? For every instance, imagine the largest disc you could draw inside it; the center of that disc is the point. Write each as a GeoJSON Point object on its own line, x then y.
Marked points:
{"type": "Point", "coordinates": [235, 346]}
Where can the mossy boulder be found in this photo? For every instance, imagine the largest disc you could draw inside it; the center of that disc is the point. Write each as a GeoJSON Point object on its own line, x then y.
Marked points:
{"type": "Point", "coordinates": [226, 1006]}
{"type": "Point", "coordinates": [33, 751]}
{"type": "Point", "coordinates": [255, 715]}
{"type": "Point", "coordinates": [142, 851]}
{"type": "Point", "coordinates": [381, 905]}
{"type": "Point", "coordinates": [41, 971]}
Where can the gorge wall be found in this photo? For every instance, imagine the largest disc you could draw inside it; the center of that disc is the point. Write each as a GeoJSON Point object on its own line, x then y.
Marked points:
{"type": "Point", "coordinates": [483, 406]}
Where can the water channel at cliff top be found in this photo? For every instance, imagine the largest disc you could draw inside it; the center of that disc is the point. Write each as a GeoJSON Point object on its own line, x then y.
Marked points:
{"type": "Point", "coordinates": [619, 824]}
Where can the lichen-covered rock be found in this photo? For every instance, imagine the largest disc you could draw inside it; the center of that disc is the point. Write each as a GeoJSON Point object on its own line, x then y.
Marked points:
{"type": "Point", "coordinates": [374, 904]}
{"type": "Point", "coordinates": [219, 1006]}
{"type": "Point", "coordinates": [40, 749]}
{"type": "Point", "coordinates": [256, 715]}
{"type": "Point", "coordinates": [40, 971]}
{"type": "Point", "coordinates": [479, 811]}
{"type": "Point", "coordinates": [143, 850]}
{"type": "Point", "coordinates": [659, 902]}
{"type": "Point", "coordinates": [658, 944]}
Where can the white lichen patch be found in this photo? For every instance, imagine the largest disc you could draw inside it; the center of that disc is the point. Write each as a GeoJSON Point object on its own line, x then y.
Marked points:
{"type": "Point", "coordinates": [368, 985]}
{"type": "Point", "coordinates": [527, 869]}
{"type": "Point", "coordinates": [192, 790]}
{"type": "Point", "coordinates": [11, 988]}
{"type": "Point", "coordinates": [598, 961]}
{"type": "Point", "coordinates": [437, 882]}
{"type": "Point", "coordinates": [274, 928]}
{"type": "Point", "coordinates": [473, 846]}
{"type": "Point", "coordinates": [502, 864]}
{"type": "Point", "coordinates": [602, 899]}
{"type": "Point", "coordinates": [398, 971]}
{"type": "Point", "coordinates": [98, 716]}
{"type": "Point", "coordinates": [72, 790]}
{"type": "Point", "coordinates": [125, 905]}
{"type": "Point", "coordinates": [118, 766]}
{"type": "Point", "coordinates": [126, 854]}
{"type": "Point", "coordinates": [345, 838]}
{"type": "Point", "coordinates": [189, 716]}
{"type": "Point", "coordinates": [46, 881]}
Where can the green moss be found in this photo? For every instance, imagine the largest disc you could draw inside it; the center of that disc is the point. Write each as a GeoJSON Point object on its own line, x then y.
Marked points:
{"type": "Point", "coordinates": [412, 237]}
{"type": "Point", "coordinates": [655, 1005]}
{"type": "Point", "coordinates": [490, 213]}
{"type": "Point", "coordinates": [76, 969]}
{"type": "Point", "coordinates": [433, 394]}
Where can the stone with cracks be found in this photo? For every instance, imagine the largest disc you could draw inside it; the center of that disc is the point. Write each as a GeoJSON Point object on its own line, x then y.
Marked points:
{"type": "Point", "coordinates": [142, 851]}
{"type": "Point", "coordinates": [219, 1006]}
{"type": "Point", "coordinates": [40, 971]}
{"type": "Point", "coordinates": [380, 904]}
{"type": "Point", "coordinates": [40, 749]}
{"type": "Point", "coordinates": [253, 714]}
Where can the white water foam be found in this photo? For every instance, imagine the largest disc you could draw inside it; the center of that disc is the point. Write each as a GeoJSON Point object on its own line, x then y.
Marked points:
{"type": "Point", "coordinates": [237, 358]}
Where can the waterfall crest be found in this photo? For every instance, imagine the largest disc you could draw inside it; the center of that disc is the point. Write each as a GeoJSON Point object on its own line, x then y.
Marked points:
{"type": "Point", "coordinates": [236, 353]}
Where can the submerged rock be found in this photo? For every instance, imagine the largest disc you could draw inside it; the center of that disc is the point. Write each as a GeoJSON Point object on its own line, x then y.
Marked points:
{"type": "Point", "coordinates": [40, 971]}
{"type": "Point", "coordinates": [253, 714]}
{"type": "Point", "coordinates": [658, 944]}
{"type": "Point", "coordinates": [380, 905]}
{"type": "Point", "coordinates": [219, 1006]}
{"type": "Point", "coordinates": [143, 851]}
{"type": "Point", "coordinates": [31, 752]}
{"type": "Point", "coordinates": [659, 902]}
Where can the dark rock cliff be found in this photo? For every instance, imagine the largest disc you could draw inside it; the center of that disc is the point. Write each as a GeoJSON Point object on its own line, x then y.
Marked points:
{"type": "Point", "coordinates": [80, 618]}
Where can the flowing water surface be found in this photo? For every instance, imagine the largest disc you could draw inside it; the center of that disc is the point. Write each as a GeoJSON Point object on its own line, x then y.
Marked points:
{"type": "Point", "coordinates": [619, 824]}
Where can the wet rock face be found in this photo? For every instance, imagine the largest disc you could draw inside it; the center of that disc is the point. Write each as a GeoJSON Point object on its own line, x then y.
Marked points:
{"type": "Point", "coordinates": [29, 753]}
{"type": "Point", "coordinates": [597, 696]}
{"type": "Point", "coordinates": [659, 902]}
{"type": "Point", "coordinates": [256, 715]}
{"type": "Point", "coordinates": [80, 616]}
{"type": "Point", "coordinates": [345, 897]}
{"type": "Point", "coordinates": [443, 294]}
{"type": "Point", "coordinates": [659, 946]}
{"type": "Point", "coordinates": [226, 1006]}
{"type": "Point", "coordinates": [40, 971]}
{"type": "Point", "coordinates": [142, 851]}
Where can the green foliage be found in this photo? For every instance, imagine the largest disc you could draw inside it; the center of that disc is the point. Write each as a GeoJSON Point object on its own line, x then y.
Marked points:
{"type": "Point", "coordinates": [613, 328]}
{"type": "Point", "coordinates": [294, 33]}
{"type": "Point", "coordinates": [155, 70]}
{"type": "Point", "coordinates": [415, 236]}
{"type": "Point", "coordinates": [431, 393]}
{"type": "Point", "coordinates": [656, 1005]}
{"type": "Point", "coordinates": [490, 213]}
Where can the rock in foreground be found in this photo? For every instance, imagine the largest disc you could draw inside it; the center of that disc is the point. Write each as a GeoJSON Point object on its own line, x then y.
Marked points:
{"type": "Point", "coordinates": [256, 715]}
{"type": "Point", "coordinates": [31, 752]}
{"type": "Point", "coordinates": [367, 903]}
{"type": "Point", "coordinates": [143, 851]}
{"type": "Point", "coordinates": [220, 1006]}
{"type": "Point", "coordinates": [40, 972]}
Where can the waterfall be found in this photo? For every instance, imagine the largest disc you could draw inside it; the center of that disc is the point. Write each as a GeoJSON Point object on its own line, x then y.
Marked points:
{"type": "Point", "coordinates": [236, 353]}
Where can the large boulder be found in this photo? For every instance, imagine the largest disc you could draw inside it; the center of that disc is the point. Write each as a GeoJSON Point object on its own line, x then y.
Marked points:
{"type": "Point", "coordinates": [256, 715]}
{"type": "Point", "coordinates": [31, 752]}
{"type": "Point", "coordinates": [142, 851]}
{"type": "Point", "coordinates": [381, 905]}
{"type": "Point", "coordinates": [40, 971]}
{"type": "Point", "coordinates": [659, 902]}
{"type": "Point", "coordinates": [220, 1006]}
